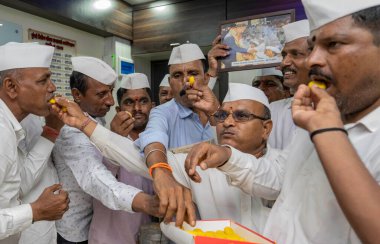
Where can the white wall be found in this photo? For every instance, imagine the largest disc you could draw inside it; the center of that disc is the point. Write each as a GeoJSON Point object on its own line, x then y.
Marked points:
{"type": "Point", "coordinates": [87, 44]}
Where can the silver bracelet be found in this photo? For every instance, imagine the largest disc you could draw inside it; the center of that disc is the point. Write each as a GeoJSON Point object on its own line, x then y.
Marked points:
{"type": "Point", "coordinates": [154, 150]}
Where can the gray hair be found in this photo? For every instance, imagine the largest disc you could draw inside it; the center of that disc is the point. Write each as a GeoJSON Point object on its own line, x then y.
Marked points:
{"type": "Point", "coordinates": [6, 73]}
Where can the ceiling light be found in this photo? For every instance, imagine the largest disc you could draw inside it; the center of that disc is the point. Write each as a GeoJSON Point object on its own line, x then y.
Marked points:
{"type": "Point", "coordinates": [1, 25]}
{"type": "Point", "coordinates": [160, 8]}
{"type": "Point", "coordinates": [102, 4]}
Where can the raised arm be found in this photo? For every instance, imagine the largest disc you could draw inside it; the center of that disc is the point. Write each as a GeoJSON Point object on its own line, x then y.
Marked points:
{"type": "Point", "coordinates": [357, 191]}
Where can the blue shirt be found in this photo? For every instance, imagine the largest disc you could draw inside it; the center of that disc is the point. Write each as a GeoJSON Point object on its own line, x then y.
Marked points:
{"type": "Point", "coordinates": [173, 125]}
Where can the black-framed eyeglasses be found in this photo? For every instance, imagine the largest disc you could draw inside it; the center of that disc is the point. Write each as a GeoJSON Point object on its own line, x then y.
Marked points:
{"type": "Point", "coordinates": [238, 115]}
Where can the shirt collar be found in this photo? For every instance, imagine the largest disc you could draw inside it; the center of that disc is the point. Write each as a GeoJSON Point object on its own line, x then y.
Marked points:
{"type": "Point", "coordinates": [183, 111]}
{"type": "Point", "coordinates": [19, 131]}
{"type": "Point", "coordinates": [370, 121]}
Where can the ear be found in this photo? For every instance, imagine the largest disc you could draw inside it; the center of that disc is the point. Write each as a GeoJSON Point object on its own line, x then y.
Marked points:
{"type": "Point", "coordinates": [117, 108]}
{"type": "Point", "coordinates": [77, 95]}
{"type": "Point", "coordinates": [10, 87]}
{"type": "Point", "coordinates": [153, 104]}
{"type": "Point", "coordinates": [268, 125]}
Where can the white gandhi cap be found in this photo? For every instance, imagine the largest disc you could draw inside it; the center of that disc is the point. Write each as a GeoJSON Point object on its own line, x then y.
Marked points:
{"type": "Point", "coordinates": [134, 81]}
{"type": "Point", "coordinates": [296, 30]}
{"type": "Point", "coordinates": [239, 91]}
{"type": "Point", "coordinates": [95, 68]}
{"type": "Point", "coordinates": [270, 71]}
{"type": "Point", "coordinates": [321, 12]}
{"type": "Point", "coordinates": [165, 81]}
{"type": "Point", "coordinates": [186, 53]}
{"type": "Point", "coordinates": [15, 55]}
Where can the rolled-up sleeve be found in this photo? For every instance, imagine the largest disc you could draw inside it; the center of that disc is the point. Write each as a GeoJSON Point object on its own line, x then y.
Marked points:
{"type": "Point", "coordinates": [156, 130]}
{"type": "Point", "coordinates": [14, 220]}
{"type": "Point", "coordinates": [261, 177]}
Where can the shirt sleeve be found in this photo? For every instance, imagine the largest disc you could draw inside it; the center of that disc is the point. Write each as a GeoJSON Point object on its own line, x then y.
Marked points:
{"type": "Point", "coordinates": [261, 177]}
{"type": "Point", "coordinates": [35, 164]}
{"type": "Point", "coordinates": [14, 220]}
{"type": "Point", "coordinates": [177, 162]}
{"type": "Point", "coordinates": [156, 130]}
{"type": "Point", "coordinates": [86, 163]}
{"type": "Point", "coordinates": [120, 150]}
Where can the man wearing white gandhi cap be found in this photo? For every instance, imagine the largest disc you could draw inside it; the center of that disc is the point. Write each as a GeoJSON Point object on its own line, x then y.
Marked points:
{"type": "Point", "coordinates": [134, 105]}
{"type": "Point", "coordinates": [25, 88]}
{"type": "Point", "coordinates": [80, 164]}
{"type": "Point", "coordinates": [270, 81]}
{"type": "Point", "coordinates": [165, 92]}
{"type": "Point", "coordinates": [329, 190]}
{"type": "Point", "coordinates": [295, 73]}
{"type": "Point", "coordinates": [178, 123]}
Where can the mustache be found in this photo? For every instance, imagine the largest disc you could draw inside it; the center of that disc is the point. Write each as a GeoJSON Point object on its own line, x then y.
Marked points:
{"type": "Point", "coordinates": [318, 72]}
{"type": "Point", "coordinates": [285, 69]}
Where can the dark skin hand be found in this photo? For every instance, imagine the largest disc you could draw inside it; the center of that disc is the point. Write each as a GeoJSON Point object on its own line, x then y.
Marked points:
{"type": "Point", "coordinates": [122, 123]}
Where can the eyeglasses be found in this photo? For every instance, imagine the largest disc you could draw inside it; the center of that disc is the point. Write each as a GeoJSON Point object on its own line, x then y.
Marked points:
{"type": "Point", "coordinates": [238, 115]}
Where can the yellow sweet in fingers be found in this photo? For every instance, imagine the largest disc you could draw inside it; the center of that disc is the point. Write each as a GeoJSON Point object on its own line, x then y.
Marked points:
{"type": "Point", "coordinates": [130, 115]}
{"type": "Point", "coordinates": [191, 80]}
{"type": "Point", "coordinates": [320, 84]}
{"type": "Point", "coordinates": [53, 101]}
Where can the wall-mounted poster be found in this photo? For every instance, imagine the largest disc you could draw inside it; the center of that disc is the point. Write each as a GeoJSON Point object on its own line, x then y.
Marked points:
{"type": "Point", "coordinates": [255, 41]}
{"type": "Point", "coordinates": [61, 67]}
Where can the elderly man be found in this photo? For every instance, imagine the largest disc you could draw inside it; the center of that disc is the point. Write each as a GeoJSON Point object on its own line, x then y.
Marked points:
{"type": "Point", "coordinates": [134, 105]}
{"type": "Point", "coordinates": [271, 83]}
{"type": "Point", "coordinates": [331, 179]}
{"type": "Point", "coordinates": [295, 73]}
{"type": "Point", "coordinates": [174, 124]}
{"type": "Point", "coordinates": [243, 121]}
{"type": "Point", "coordinates": [25, 88]}
{"type": "Point", "coordinates": [80, 164]}
{"type": "Point", "coordinates": [165, 92]}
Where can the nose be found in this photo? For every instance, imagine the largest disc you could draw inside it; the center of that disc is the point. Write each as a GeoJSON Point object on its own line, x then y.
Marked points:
{"type": "Point", "coordinates": [286, 61]}
{"type": "Point", "coordinates": [52, 88]}
{"type": "Point", "coordinates": [109, 101]}
{"type": "Point", "coordinates": [229, 121]}
{"type": "Point", "coordinates": [315, 58]}
{"type": "Point", "coordinates": [137, 106]}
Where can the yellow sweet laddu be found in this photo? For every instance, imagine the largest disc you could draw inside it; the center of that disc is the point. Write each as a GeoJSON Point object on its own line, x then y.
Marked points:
{"type": "Point", "coordinates": [320, 84]}
{"type": "Point", "coordinates": [191, 80]}
{"type": "Point", "coordinates": [52, 101]}
{"type": "Point", "coordinates": [228, 233]}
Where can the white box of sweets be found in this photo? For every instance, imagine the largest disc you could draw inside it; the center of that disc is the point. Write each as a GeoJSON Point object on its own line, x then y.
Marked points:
{"type": "Point", "coordinates": [213, 233]}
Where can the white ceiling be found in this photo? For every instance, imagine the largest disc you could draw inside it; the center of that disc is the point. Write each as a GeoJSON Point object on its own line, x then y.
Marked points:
{"type": "Point", "coordinates": [134, 2]}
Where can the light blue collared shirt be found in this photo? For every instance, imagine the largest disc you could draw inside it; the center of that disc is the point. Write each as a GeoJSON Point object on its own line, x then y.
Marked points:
{"type": "Point", "coordinates": [174, 125]}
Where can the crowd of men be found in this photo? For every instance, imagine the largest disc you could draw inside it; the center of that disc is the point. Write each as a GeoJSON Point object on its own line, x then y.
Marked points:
{"type": "Point", "coordinates": [296, 163]}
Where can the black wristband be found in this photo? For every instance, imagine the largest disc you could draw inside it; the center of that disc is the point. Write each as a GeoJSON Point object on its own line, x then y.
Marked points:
{"type": "Point", "coordinates": [316, 132]}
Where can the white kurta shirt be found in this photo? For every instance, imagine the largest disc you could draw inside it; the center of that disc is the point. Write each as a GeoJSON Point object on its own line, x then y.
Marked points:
{"type": "Point", "coordinates": [18, 173]}
{"type": "Point", "coordinates": [83, 175]}
{"type": "Point", "coordinates": [42, 232]}
{"type": "Point", "coordinates": [283, 126]}
{"type": "Point", "coordinates": [215, 198]}
{"type": "Point", "coordinates": [306, 210]}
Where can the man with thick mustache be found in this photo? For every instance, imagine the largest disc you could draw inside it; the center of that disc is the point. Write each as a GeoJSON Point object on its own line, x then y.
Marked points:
{"type": "Point", "coordinates": [330, 188]}
{"type": "Point", "coordinates": [79, 163]}
{"type": "Point", "coordinates": [295, 73]}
